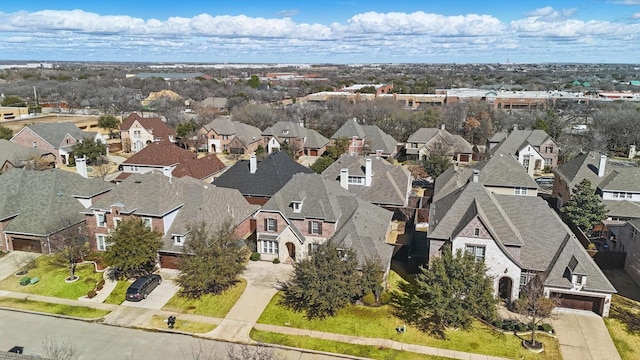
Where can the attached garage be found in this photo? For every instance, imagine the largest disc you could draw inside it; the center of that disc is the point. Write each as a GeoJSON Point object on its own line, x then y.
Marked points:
{"type": "Point", "coordinates": [580, 302]}
{"type": "Point", "coordinates": [313, 152]}
{"type": "Point", "coordinates": [169, 261]}
{"type": "Point", "coordinates": [22, 244]}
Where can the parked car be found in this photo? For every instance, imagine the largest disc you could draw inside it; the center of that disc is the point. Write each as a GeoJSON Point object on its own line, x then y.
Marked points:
{"type": "Point", "coordinates": [142, 287]}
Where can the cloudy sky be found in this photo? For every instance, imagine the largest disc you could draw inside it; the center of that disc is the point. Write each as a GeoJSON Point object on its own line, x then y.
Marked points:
{"type": "Point", "coordinates": [331, 31]}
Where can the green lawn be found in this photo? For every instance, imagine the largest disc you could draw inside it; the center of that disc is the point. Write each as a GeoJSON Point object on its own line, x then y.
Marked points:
{"type": "Point", "coordinates": [306, 342]}
{"type": "Point", "coordinates": [623, 324]}
{"type": "Point", "coordinates": [77, 311]}
{"type": "Point", "coordinates": [379, 322]}
{"type": "Point", "coordinates": [182, 325]}
{"type": "Point", "coordinates": [118, 294]}
{"type": "Point", "coordinates": [208, 305]}
{"type": "Point", "coordinates": [52, 280]}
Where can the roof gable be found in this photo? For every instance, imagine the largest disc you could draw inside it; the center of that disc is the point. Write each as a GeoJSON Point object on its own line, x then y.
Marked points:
{"type": "Point", "coordinates": [160, 153]}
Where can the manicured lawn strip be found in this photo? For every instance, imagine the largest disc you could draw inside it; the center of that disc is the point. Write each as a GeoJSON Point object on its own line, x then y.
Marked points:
{"type": "Point", "coordinates": [182, 325]}
{"type": "Point", "coordinates": [306, 342]}
{"type": "Point", "coordinates": [118, 294]}
{"type": "Point", "coordinates": [208, 305]}
{"type": "Point", "coordinates": [52, 280]}
{"type": "Point", "coordinates": [623, 324]}
{"type": "Point", "coordinates": [49, 308]}
{"type": "Point", "coordinates": [378, 322]}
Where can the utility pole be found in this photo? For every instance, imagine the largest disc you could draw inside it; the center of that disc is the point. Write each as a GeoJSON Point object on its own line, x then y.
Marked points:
{"type": "Point", "coordinates": [35, 98]}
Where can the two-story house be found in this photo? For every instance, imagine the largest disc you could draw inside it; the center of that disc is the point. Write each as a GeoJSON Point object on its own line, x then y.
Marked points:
{"type": "Point", "coordinates": [311, 209]}
{"type": "Point", "coordinates": [366, 139]}
{"type": "Point", "coordinates": [426, 141]}
{"type": "Point", "coordinates": [372, 179]}
{"type": "Point", "coordinates": [300, 140]}
{"type": "Point", "coordinates": [528, 146]}
{"type": "Point", "coordinates": [172, 161]}
{"type": "Point", "coordinates": [36, 205]}
{"type": "Point", "coordinates": [518, 238]}
{"type": "Point", "coordinates": [234, 137]}
{"type": "Point", "coordinates": [169, 206]}
{"type": "Point", "coordinates": [259, 180]}
{"type": "Point", "coordinates": [618, 186]}
{"type": "Point", "coordinates": [136, 132]}
{"type": "Point", "coordinates": [55, 138]}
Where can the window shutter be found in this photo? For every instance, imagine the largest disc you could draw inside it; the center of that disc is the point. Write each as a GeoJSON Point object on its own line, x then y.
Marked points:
{"type": "Point", "coordinates": [311, 227]}
{"type": "Point", "coordinates": [319, 227]}
{"type": "Point", "coordinates": [266, 224]}
{"type": "Point", "coordinates": [275, 224]}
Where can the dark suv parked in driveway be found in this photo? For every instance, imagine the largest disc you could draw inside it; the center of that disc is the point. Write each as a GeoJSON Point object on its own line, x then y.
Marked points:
{"type": "Point", "coordinates": [142, 287]}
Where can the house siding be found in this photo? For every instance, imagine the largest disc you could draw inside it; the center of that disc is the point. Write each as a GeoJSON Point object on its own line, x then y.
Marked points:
{"type": "Point", "coordinates": [26, 137]}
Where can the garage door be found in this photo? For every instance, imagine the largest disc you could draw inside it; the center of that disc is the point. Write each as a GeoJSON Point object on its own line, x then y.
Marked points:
{"type": "Point", "coordinates": [26, 245]}
{"type": "Point", "coordinates": [579, 302]}
{"type": "Point", "coordinates": [169, 261]}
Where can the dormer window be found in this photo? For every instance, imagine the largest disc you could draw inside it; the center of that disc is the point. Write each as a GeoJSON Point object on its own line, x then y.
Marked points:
{"type": "Point", "coordinates": [285, 132]}
{"type": "Point", "coordinates": [297, 206]}
{"type": "Point", "coordinates": [356, 180]}
{"type": "Point", "coordinates": [178, 239]}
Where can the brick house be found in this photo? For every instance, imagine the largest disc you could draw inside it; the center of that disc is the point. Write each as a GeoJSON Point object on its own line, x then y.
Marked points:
{"type": "Point", "coordinates": [527, 146]}
{"type": "Point", "coordinates": [55, 138]}
{"type": "Point", "coordinates": [366, 139]}
{"type": "Point", "coordinates": [426, 141]}
{"type": "Point", "coordinates": [234, 137]}
{"type": "Point", "coordinates": [168, 206]}
{"type": "Point", "coordinates": [301, 141]}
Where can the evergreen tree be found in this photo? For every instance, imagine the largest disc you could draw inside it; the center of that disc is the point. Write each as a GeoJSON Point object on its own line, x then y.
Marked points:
{"type": "Point", "coordinates": [584, 209]}
{"type": "Point", "coordinates": [90, 149]}
{"type": "Point", "coordinates": [436, 164]}
{"type": "Point", "coordinates": [212, 261]}
{"type": "Point", "coordinates": [108, 123]}
{"type": "Point", "coordinates": [450, 293]}
{"type": "Point", "coordinates": [323, 283]}
{"type": "Point", "coordinates": [133, 249]}
{"type": "Point", "coordinates": [5, 133]}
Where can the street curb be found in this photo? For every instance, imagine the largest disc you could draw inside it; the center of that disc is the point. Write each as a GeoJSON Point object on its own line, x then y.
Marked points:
{"type": "Point", "coordinates": [91, 320]}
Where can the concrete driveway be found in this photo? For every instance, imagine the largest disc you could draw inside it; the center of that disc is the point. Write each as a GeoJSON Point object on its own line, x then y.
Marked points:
{"type": "Point", "coordinates": [583, 335]}
{"type": "Point", "coordinates": [14, 261]}
{"type": "Point", "coordinates": [158, 297]}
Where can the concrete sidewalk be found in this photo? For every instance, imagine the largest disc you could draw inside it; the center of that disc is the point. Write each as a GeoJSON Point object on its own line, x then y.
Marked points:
{"type": "Point", "coordinates": [14, 261]}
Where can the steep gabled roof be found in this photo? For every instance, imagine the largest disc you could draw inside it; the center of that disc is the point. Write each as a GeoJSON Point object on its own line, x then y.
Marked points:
{"type": "Point", "coordinates": [271, 174]}
{"type": "Point", "coordinates": [390, 183]}
{"type": "Point", "coordinates": [571, 254]}
{"type": "Point", "coordinates": [585, 166]}
{"type": "Point", "coordinates": [41, 201]}
{"type": "Point", "coordinates": [621, 179]}
{"type": "Point", "coordinates": [349, 129]}
{"type": "Point", "coordinates": [154, 125]}
{"type": "Point", "coordinates": [289, 129]}
{"type": "Point", "coordinates": [54, 133]}
{"type": "Point", "coordinates": [247, 134]}
{"type": "Point", "coordinates": [160, 153]}
{"type": "Point", "coordinates": [456, 144]}
{"type": "Point", "coordinates": [359, 224]}
{"type": "Point", "coordinates": [517, 139]}
{"type": "Point", "coordinates": [199, 168]}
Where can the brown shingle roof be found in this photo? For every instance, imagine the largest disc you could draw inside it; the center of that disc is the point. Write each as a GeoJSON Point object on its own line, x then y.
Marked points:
{"type": "Point", "coordinates": [200, 168]}
{"type": "Point", "coordinates": [160, 153]}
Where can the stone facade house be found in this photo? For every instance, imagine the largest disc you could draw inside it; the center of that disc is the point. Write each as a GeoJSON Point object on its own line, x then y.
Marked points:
{"type": "Point", "coordinates": [528, 146]}
{"type": "Point", "coordinates": [168, 206]}
{"type": "Point", "coordinates": [136, 132]}
{"type": "Point", "coordinates": [311, 209]}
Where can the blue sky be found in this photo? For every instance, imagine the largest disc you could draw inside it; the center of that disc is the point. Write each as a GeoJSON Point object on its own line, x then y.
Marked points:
{"type": "Point", "coordinates": [343, 31]}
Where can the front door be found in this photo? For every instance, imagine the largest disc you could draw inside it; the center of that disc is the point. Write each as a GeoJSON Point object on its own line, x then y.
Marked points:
{"type": "Point", "coordinates": [504, 288]}
{"type": "Point", "coordinates": [292, 250]}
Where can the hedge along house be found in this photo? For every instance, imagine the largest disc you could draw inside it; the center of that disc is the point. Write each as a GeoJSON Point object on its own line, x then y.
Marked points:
{"type": "Point", "coordinates": [170, 206]}
{"type": "Point", "coordinates": [36, 205]}
{"type": "Point", "coordinates": [311, 209]}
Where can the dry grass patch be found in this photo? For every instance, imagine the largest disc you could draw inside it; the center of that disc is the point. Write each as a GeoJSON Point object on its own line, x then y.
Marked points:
{"type": "Point", "coordinates": [208, 305]}
{"type": "Point", "coordinates": [182, 325]}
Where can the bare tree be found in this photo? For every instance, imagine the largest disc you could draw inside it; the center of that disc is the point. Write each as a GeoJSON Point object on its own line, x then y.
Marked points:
{"type": "Point", "coordinates": [253, 352]}
{"type": "Point", "coordinates": [102, 170]}
{"type": "Point", "coordinates": [70, 242]}
{"type": "Point", "coordinates": [60, 350]}
{"type": "Point", "coordinates": [535, 306]}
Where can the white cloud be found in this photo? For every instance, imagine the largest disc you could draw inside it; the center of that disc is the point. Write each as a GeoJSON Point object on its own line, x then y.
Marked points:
{"type": "Point", "coordinates": [288, 13]}
{"type": "Point", "coordinates": [636, 15]}
{"type": "Point", "coordinates": [365, 37]}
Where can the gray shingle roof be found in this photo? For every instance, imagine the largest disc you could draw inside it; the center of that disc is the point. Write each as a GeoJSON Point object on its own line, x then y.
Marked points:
{"type": "Point", "coordinates": [378, 139]}
{"type": "Point", "coordinates": [54, 133]}
{"type": "Point", "coordinates": [156, 195]}
{"type": "Point", "coordinates": [247, 134]}
{"type": "Point", "coordinates": [42, 200]}
{"type": "Point", "coordinates": [585, 166]}
{"type": "Point", "coordinates": [289, 129]}
{"type": "Point", "coordinates": [558, 273]}
{"type": "Point", "coordinates": [15, 153]}
{"type": "Point", "coordinates": [518, 138]}
{"type": "Point", "coordinates": [359, 224]}
{"type": "Point", "coordinates": [390, 184]}
{"type": "Point", "coordinates": [271, 174]}
{"type": "Point", "coordinates": [622, 209]}
{"type": "Point", "coordinates": [455, 144]}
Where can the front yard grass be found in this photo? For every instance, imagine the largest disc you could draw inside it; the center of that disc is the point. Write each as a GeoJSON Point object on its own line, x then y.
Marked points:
{"type": "Point", "coordinates": [49, 308]}
{"type": "Point", "coordinates": [623, 324]}
{"type": "Point", "coordinates": [379, 322]}
{"type": "Point", "coordinates": [208, 305]}
{"type": "Point", "coordinates": [52, 280]}
{"type": "Point", "coordinates": [305, 342]}
{"type": "Point", "coordinates": [182, 325]}
{"type": "Point", "coordinates": [119, 293]}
